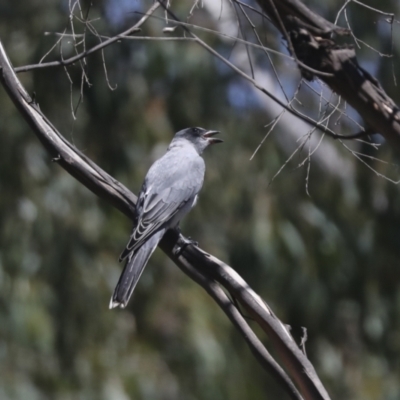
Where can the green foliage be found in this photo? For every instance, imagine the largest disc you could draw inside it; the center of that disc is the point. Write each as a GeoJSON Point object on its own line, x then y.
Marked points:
{"type": "Point", "coordinates": [328, 260]}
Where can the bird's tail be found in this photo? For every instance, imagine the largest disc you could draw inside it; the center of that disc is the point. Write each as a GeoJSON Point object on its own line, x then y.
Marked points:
{"type": "Point", "coordinates": [133, 270]}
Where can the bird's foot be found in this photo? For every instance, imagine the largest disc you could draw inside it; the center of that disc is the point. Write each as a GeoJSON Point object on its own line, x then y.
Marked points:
{"type": "Point", "coordinates": [182, 243]}
{"type": "Point", "coordinates": [193, 242]}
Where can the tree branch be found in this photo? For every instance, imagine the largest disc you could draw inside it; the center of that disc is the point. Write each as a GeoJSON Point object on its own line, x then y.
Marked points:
{"type": "Point", "coordinates": [293, 358]}
{"type": "Point", "coordinates": [312, 41]}
{"type": "Point", "coordinates": [207, 281]}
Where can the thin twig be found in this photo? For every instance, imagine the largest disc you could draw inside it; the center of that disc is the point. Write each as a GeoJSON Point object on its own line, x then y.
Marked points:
{"type": "Point", "coordinates": [69, 61]}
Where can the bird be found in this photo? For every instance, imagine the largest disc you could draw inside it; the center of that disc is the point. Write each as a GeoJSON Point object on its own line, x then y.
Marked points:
{"type": "Point", "coordinates": [169, 191]}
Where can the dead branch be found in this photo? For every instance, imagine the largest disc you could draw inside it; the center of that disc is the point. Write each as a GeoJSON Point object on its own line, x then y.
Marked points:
{"type": "Point", "coordinates": [200, 266]}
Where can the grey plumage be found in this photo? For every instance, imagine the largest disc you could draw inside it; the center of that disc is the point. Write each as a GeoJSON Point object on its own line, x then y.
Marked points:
{"type": "Point", "coordinates": [169, 191]}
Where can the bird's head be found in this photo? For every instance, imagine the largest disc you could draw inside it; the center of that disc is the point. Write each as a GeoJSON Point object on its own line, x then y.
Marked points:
{"type": "Point", "coordinates": [200, 138]}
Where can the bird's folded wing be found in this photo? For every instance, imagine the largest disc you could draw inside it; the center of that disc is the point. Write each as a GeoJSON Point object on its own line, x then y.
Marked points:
{"type": "Point", "coordinates": [154, 211]}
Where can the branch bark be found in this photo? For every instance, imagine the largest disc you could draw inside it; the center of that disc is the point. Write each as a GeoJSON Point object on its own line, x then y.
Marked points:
{"type": "Point", "coordinates": [312, 40]}
{"type": "Point", "coordinates": [205, 269]}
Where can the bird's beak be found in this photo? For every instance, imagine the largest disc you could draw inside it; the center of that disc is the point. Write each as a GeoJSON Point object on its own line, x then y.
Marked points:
{"type": "Point", "coordinates": [212, 140]}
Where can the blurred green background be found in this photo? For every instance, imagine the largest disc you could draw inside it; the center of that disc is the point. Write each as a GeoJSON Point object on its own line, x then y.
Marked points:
{"type": "Point", "coordinates": [321, 243]}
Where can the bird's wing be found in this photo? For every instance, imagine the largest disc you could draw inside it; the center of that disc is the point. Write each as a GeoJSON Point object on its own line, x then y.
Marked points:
{"type": "Point", "coordinates": [156, 210]}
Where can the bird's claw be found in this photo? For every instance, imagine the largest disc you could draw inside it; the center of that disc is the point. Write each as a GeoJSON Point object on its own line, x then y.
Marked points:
{"type": "Point", "coordinates": [193, 242]}
{"type": "Point", "coordinates": [182, 243]}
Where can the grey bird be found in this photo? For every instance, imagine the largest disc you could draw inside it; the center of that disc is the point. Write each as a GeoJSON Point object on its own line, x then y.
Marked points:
{"type": "Point", "coordinates": [169, 192]}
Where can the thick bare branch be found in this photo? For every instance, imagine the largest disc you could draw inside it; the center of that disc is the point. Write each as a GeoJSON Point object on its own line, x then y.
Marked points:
{"type": "Point", "coordinates": [192, 260]}
{"type": "Point", "coordinates": [208, 282]}
{"type": "Point", "coordinates": [293, 358]}
{"type": "Point", "coordinates": [312, 38]}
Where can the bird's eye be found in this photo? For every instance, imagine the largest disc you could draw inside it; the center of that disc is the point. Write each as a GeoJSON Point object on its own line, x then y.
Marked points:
{"type": "Point", "coordinates": [196, 131]}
